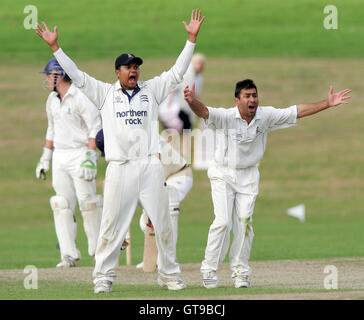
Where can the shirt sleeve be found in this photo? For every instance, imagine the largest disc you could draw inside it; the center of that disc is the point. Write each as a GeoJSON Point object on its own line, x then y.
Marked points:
{"type": "Point", "coordinates": [91, 116]}
{"type": "Point", "coordinates": [282, 118]}
{"type": "Point", "coordinates": [50, 129]}
{"type": "Point", "coordinates": [165, 83]}
{"type": "Point", "coordinates": [216, 119]}
{"type": "Point", "coordinates": [94, 89]}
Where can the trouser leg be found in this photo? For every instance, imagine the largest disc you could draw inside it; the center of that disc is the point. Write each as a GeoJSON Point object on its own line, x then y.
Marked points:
{"type": "Point", "coordinates": [243, 232]}
{"type": "Point", "coordinates": [219, 232]}
{"type": "Point", "coordinates": [154, 199]}
{"type": "Point", "coordinates": [120, 201]}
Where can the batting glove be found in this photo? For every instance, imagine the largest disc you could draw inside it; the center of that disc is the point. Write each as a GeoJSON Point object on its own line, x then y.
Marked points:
{"type": "Point", "coordinates": [43, 164]}
{"type": "Point", "coordinates": [88, 169]}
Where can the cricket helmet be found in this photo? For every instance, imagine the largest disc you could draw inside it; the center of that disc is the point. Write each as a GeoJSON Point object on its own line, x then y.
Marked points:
{"type": "Point", "coordinates": [53, 66]}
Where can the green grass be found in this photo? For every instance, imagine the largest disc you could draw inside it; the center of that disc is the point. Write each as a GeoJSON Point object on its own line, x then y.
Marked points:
{"type": "Point", "coordinates": [52, 290]}
{"type": "Point", "coordinates": [90, 29]}
{"type": "Point", "coordinates": [318, 163]}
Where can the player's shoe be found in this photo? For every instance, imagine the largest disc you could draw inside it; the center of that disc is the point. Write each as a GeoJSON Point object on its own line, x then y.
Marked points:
{"type": "Point", "coordinates": [67, 262]}
{"type": "Point", "coordinates": [140, 265]}
{"type": "Point", "coordinates": [241, 280]}
{"type": "Point", "coordinates": [103, 286]}
{"type": "Point", "coordinates": [209, 279]}
{"type": "Point", "coordinates": [174, 283]}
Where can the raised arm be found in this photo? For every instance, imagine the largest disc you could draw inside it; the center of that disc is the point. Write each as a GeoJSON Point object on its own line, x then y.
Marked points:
{"type": "Point", "coordinates": [334, 99]}
{"type": "Point", "coordinates": [51, 38]}
{"type": "Point", "coordinates": [184, 59]}
{"type": "Point", "coordinates": [196, 106]}
{"type": "Point", "coordinates": [94, 89]}
{"type": "Point", "coordinates": [168, 81]}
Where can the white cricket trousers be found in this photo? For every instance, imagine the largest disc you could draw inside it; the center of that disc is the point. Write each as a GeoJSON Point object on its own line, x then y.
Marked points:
{"type": "Point", "coordinates": [233, 195]}
{"type": "Point", "coordinates": [126, 184]}
{"type": "Point", "coordinates": [66, 183]}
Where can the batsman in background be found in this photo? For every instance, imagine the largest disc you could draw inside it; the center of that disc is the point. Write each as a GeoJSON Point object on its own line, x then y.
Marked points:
{"type": "Point", "coordinates": [129, 111]}
{"type": "Point", "coordinates": [241, 135]}
{"type": "Point", "coordinates": [73, 122]}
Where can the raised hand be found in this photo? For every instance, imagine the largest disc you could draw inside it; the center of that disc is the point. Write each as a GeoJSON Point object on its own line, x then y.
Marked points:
{"type": "Point", "coordinates": [189, 95]}
{"type": "Point", "coordinates": [48, 36]}
{"type": "Point", "coordinates": [195, 24]}
{"type": "Point", "coordinates": [335, 99]}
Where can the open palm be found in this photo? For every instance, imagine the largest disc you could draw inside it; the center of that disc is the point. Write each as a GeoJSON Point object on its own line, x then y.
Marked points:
{"type": "Point", "coordinates": [195, 23]}
{"type": "Point", "coordinates": [339, 97]}
{"type": "Point", "coordinates": [47, 35]}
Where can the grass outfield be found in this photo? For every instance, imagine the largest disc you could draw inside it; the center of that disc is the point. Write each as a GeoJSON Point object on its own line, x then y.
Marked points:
{"type": "Point", "coordinates": [90, 29]}
{"type": "Point", "coordinates": [282, 45]}
{"type": "Point", "coordinates": [318, 163]}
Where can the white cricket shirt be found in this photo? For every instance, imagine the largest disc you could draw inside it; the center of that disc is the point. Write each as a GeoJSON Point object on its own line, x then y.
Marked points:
{"type": "Point", "coordinates": [72, 121]}
{"type": "Point", "coordinates": [239, 145]}
{"type": "Point", "coordinates": [130, 123]}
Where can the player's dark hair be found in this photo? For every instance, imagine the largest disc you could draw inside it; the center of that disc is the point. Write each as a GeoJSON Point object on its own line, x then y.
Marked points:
{"type": "Point", "coordinates": [244, 84]}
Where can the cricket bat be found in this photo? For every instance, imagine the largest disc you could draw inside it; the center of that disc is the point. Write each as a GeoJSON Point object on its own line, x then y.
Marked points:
{"type": "Point", "coordinates": [150, 249]}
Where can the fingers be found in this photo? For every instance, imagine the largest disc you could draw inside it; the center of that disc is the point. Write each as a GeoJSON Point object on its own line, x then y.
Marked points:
{"type": "Point", "coordinates": [39, 30]}
{"type": "Point", "coordinates": [202, 20]}
{"type": "Point", "coordinates": [196, 15]}
{"type": "Point", "coordinates": [344, 92]}
{"type": "Point", "coordinates": [55, 29]}
{"type": "Point", "coordinates": [45, 26]}
{"type": "Point", "coordinates": [187, 93]}
{"type": "Point", "coordinates": [331, 91]}
{"type": "Point", "coordinates": [193, 87]}
{"type": "Point", "coordinates": [345, 98]}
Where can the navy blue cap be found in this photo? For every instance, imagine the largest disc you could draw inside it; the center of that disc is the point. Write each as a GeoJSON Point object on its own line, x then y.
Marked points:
{"type": "Point", "coordinates": [126, 58]}
{"type": "Point", "coordinates": [100, 142]}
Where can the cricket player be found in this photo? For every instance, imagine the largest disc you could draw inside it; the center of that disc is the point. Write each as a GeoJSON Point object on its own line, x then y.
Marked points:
{"type": "Point", "coordinates": [73, 122]}
{"type": "Point", "coordinates": [241, 135]}
{"type": "Point", "coordinates": [129, 111]}
{"type": "Point", "coordinates": [179, 181]}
